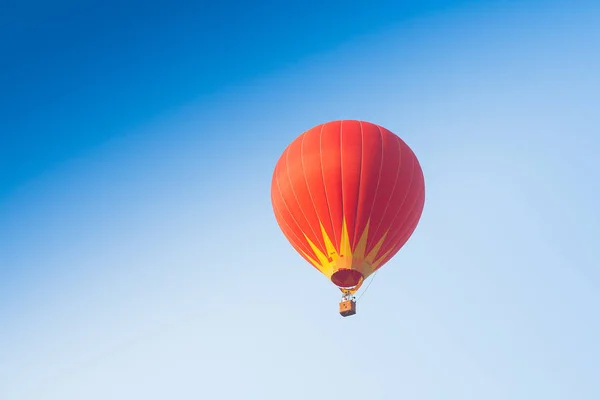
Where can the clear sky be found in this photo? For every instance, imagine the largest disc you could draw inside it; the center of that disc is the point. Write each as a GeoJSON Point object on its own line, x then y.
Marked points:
{"type": "Point", "coordinates": [139, 256]}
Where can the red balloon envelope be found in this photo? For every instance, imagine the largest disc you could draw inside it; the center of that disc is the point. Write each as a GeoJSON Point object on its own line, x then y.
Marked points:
{"type": "Point", "coordinates": [348, 195]}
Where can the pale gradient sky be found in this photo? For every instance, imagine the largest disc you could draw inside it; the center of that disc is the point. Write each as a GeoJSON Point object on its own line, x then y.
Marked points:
{"type": "Point", "coordinates": [149, 265]}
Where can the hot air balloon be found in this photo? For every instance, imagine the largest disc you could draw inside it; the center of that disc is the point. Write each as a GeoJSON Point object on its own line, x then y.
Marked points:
{"type": "Point", "coordinates": [347, 195]}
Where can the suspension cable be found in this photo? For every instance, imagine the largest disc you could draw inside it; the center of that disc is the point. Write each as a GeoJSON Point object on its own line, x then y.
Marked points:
{"type": "Point", "coordinates": [367, 288]}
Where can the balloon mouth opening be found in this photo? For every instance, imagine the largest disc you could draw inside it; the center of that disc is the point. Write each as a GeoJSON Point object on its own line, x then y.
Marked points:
{"type": "Point", "coordinates": [346, 278]}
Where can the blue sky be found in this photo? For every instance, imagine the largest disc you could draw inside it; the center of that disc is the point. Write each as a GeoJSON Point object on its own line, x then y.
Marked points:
{"type": "Point", "coordinates": [139, 257]}
{"type": "Point", "coordinates": [103, 67]}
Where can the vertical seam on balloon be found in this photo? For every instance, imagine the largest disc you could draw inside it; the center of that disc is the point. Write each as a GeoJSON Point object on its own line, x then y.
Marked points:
{"type": "Point", "coordinates": [378, 177]}
{"type": "Point", "coordinates": [412, 210]}
{"type": "Point", "coordinates": [393, 189]}
{"type": "Point", "coordinates": [400, 235]}
{"type": "Point", "coordinates": [324, 185]}
{"type": "Point", "coordinates": [298, 202]}
{"type": "Point", "coordinates": [403, 200]}
{"type": "Point", "coordinates": [342, 184]}
{"type": "Point", "coordinates": [280, 214]}
{"type": "Point", "coordinates": [412, 176]}
{"type": "Point", "coordinates": [308, 188]}
{"type": "Point", "coordinates": [400, 232]}
{"type": "Point", "coordinates": [299, 243]}
{"type": "Point", "coordinates": [300, 240]}
{"type": "Point", "coordinates": [416, 168]}
{"type": "Point", "coordinates": [362, 153]}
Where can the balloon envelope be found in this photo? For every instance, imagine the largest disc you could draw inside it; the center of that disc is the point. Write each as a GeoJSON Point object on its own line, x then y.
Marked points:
{"type": "Point", "coordinates": [347, 195]}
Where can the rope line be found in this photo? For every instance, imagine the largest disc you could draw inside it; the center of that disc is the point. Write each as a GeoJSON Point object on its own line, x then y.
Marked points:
{"type": "Point", "coordinates": [367, 288]}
